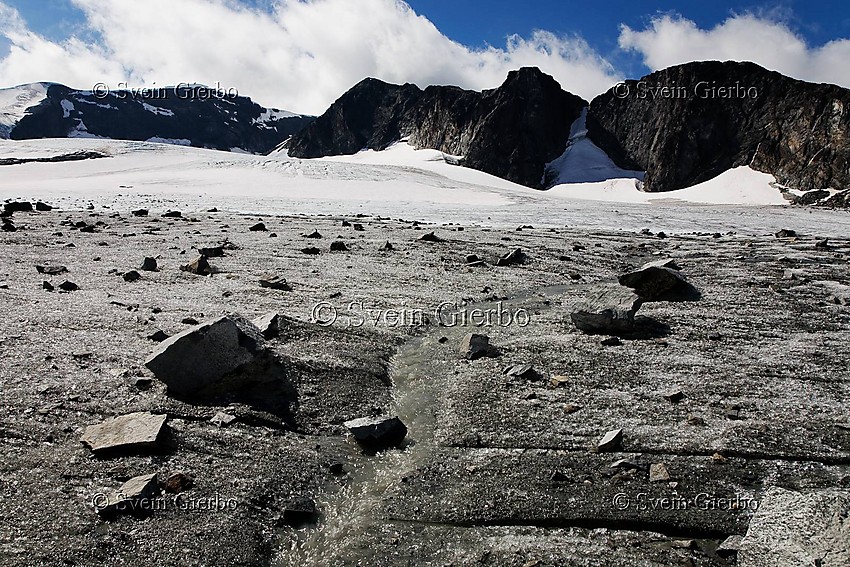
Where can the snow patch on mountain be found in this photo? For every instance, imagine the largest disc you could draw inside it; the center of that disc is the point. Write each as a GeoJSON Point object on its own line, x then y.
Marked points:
{"type": "Point", "coordinates": [583, 161]}
{"type": "Point", "coordinates": [272, 115]}
{"type": "Point", "coordinates": [157, 110]}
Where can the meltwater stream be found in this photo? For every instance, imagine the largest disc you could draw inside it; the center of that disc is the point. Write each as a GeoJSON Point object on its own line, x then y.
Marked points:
{"type": "Point", "coordinates": [417, 370]}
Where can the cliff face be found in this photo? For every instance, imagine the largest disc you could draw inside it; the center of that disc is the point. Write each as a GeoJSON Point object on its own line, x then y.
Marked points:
{"type": "Point", "coordinates": [510, 132]}
{"type": "Point", "coordinates": [193, 116]}
{"type": "Point", "coordinates": [689, 123]}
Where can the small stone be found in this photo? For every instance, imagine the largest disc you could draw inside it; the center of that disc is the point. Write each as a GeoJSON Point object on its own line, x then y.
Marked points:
{"type": "Point", "coordinates": [259, 227]}
{"type": "Point", "coordinates": [68, 286]}
{"type": "Point", "coordinates": [822, 244]}
{"type": "Point", "coordinates": [178, 482]}
{"type": "Point", "coordinates": [132, 276]}
{"type": "Point", "coordinates": [222, 419]}
{"type": "Point", "coordinates": [315, 234]}
{"type": "Point", "coordinates": [683, 544]}
{"type": "Point", "coordinates": [430, 237]}
{"type": "Point", "coordinates": [388, 246]}
{"type": "Point", "coordinates": [733, 411]}
{"type": "Point", "coordinates": [695, 420]}
{"type": "Point", "coordinates": [443, 340]}
{"type": "Point", "coordinates": [786, 233]}
{"type": "Point", "coordinates": [149, 265]}
{"type": "Point", "coordinates": [47, 286]}
{"type": "Point", "coordinates": [131, 432]}
{"type": "Point", "coordinates": [658, 473]}
{"type": "Point", "coordinates": [346, 223]}
{"type": "Point", "coordinates": [275, 282]}
{"type": "Point", "coordinates": [339, 246]}
{"type": "Point", "coordinates": [140, 213]}
{"type": "Point", "coordinates": [143, 383]}
{"type": "Point", "coordinates": [558, 381]}
{"type": "Point", "coordinates": [299, 511]}
{"type": "Point", "coordinates": [158, 336]}
{"type": "Point", "coordinates": [472, 259]}
{"type": "Point", "coordinates": [674, 396]}
{"type": "Point", "coordinates": [310, 250]}
{"type": "Point", "coordinates": [173, 215]}
{"type": "Point", "coordinates": [268, 324]}
{"type": "Point", "coordinates": [718, 458]}
{"type": "Point", "coordinates": [730, 547]}
{"type": "Point", "coordinates": [8, 226]}
{"type": "Point", "coordinates": [212, 251]}
{"type": "Point", "coordinates": [572, 408]}
{"type": "Point", "coordinates": [359, 227]}
{"type": "Point", "coordinates": [610, 441]}
{"type": "Point", "coordinates": [51, 270]}
{"type": "Point", "coordinates": [199, 267]}
{"type": "Point", "coordinates": [513, 258]}
{"type": "Point", "coordinates": [189, 321]}
{"type": "Point", "coordinates": [474, 346]}
{"type": "Point", "coordinates": [611, 341]}
{"type": "Point", "coordinates": [135, 495]}
{"type": "Point", "coordinates": [377, 433]}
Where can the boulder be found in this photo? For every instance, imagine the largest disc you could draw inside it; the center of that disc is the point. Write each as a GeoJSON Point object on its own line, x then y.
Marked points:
{"type": "Point", "coordinates": [311, 251]}
{"type": "Point", "coordinates": [315, 234]}
{"type": "Point", "coordinates": [16, 207]}
{"type": "Point", "coordinates": [798, 528]}
{"type": "Point", "coordinates": [259, 227]}
{"type": "Point", "coordinates": [199, 267]}
{"type": "Point", "coordinates": [610, 441]}
{"type": "Point", "coordinates": [339, 246]}
{"type": "Point", "coordinates": [140, 213]}
{"type": "Point", "coordinates": [43, 207]}
{"type": "Point", "coordinates": [652, 281]}
{"type": "Point", "coordinates": [132, 276]}
{"type": "Point", "coordinates": [8, 226]}
{"type": "Point", "coordinates": [137, 495]}
{"type": "Point", "coordinates": [474, 346]}
{"type": "Point", "coordinates": [512, 258]}
{"type": "Point", "coordinates": [68, 286]}
{"type": "Point", "coordinates": [268, 324]}
{"type": "Point", "coordinates": [201, 356]}
{"type": "Point", "coordinates": [131, 432]}
{"type": "Point", "coordinates": [377, 433]}
{"type": "Point", "coordinates": [212, 251]}
{"type": "Point", "coordinates": [430, 237]}
{"type": "Point", "coordinates": [173, 215]}
{"type": "Point", "coordinates": [149, 265]}
{"type": "Point", "coordinates": [607, 310]}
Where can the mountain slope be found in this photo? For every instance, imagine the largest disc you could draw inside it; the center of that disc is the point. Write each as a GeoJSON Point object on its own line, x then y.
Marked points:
{"type": "Point", "coordinates": [184, 116]}
{"type": "Point", "coordinates": [512, 131]}
{"type": "Point", "coordinates": [689, 123]}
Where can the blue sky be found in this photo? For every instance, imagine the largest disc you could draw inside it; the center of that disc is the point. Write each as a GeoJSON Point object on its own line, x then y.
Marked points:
{"type": "Point", "coordinates": [309, 52]}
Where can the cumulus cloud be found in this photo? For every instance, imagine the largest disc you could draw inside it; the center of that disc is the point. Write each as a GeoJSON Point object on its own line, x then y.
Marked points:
{"type": "Point", "coordinates": [671, 40]}
{"type": "Point", "coordinates": [296, 54]}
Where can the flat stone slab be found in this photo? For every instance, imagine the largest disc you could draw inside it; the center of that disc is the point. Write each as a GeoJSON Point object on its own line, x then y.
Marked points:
{"type": "Point", "coordinates": [133, 431]}
{"type": "Point", "coordinates": [199, 357]}
{"type": "Point", "coordinates": [135, 495]}
{"type": "Point", "coordinates": [653, 280]}
{"type": "Point", "coordinates": [607, 310]}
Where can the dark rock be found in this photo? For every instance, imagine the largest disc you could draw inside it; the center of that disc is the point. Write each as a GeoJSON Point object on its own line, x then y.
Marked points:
{"type": "Point", "coordinates": [346, 223]}
{"type": "Point", "coordinates": [158, 337]}
{"type": "Point", "coordinates": [8, 226]}
{"type": "Point", "coordinates": [140, 213]}
{"type": "Point", "coordinates": [523, 371]}
{"type": "Point", "coordinates": [178, 482]}
{"type": "Point", "coordinates": [430, 237]}
{"type": "Point", "coordinates": [16, 207]}
{"type": "Point", "coordinates": [529, 110]}
{"type": "Point", "coordinates": [388, 246]}
{"type": "Point", "coordinates": [611, 341]}
{"type": "Point", "coordinates": [149, 265]}
{"type": "Point", "coordinates": [300, 511]}
{"type": "Point", "coordinates": [315, 234]}
{"type": "Point", "coordinates": [674, 396]}
{"type": "Point", "coordinates": [259, 227]}
{"type": "Point", "coordinates": [189, 321]}
{"type": "Point", "coordinates": [143, 383]}
{"type": "Point", "coordinates": [275, 282]}
{"type": "Point", "coordinates": [822, 244]}
{"type": "Point", "coordinates": [199, 267]}
{"type": "Point", "coordinates": [53, 270]}
{"type": "Point", "coordinates": [222, 419]}
{"type": "Point", "coordinates": [474, 346]}
{"type": "Point", "coordinates": [68, 286]}
{"type": "Point", "coordinates": [137, 496]}
{"type": "Point", "coordinates": [132, 276]}
{"type": "Point", "coordinates": [772, 123]}
{"type": "Point", "coordinates": [729, 548]}
{"type": "Point", "coordinates": [212, 251]}
{"type": "Point", "coordinates": [607, 310]}
{"type": "Point", "coordinates": [43, 207]}
{"type": "Point", "coordinates": [173, 215]}
{"type": "Point", "coordinates": [339, 246]}
{"type": "Point", "coordinates": [786, 233]}
{"type": "Point", "coordinates": [134, 432]}
{"type": "Point", "coordinates": [203, 355]}
{"type": "Point", "coordinates": [359, 227]}
{"type": "Point", "coordinates": [310, 250]}
{"type": "Point", "coordinates": [513, 258]}
{"type": "Point", "coordinates": [733, 411]}
{"type": "Point", "coordinates": [472, 259]}
{"type": "Point", "coordinates": [610, 441]}
{"type": "Point", "coordinates": [47, 286]}
{"type": "Point", "coordinates": [377, 433]}
{"type": "Point", "coordinates": [654, 280]}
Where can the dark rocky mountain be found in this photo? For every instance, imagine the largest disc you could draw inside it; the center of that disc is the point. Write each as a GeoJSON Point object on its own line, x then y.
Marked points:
{"type": "Point", "coordinates": [510, 132]}
{"type": "Point", "coordinates": [689, 123]}
{"type": "Point", "coordinates": [196, 116]}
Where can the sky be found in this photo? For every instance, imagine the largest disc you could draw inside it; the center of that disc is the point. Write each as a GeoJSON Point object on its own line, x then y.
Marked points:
{"type": "Point", "coordinates": [300, 55]}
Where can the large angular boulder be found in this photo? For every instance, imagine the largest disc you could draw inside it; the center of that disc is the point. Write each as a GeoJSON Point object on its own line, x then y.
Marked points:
{"type": "Point", "coordinates": [795, 528]}
{"type": "Point", "coordinates": [607, 310]}
{"type": "Point", "coordinates": [654, 280]}
{"type": "Point", "coordinates": [377, 433]}
{"type": "Point", "coordinates": [131, 432]}
{"type": "Point", "coordinates": [201, 356]}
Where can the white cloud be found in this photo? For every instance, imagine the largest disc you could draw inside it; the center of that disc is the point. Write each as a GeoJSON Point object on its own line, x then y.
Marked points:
{"type": "Point", "coordinates": [300, 55]}
{"type": "Point", "coordinates": [671, 40]}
